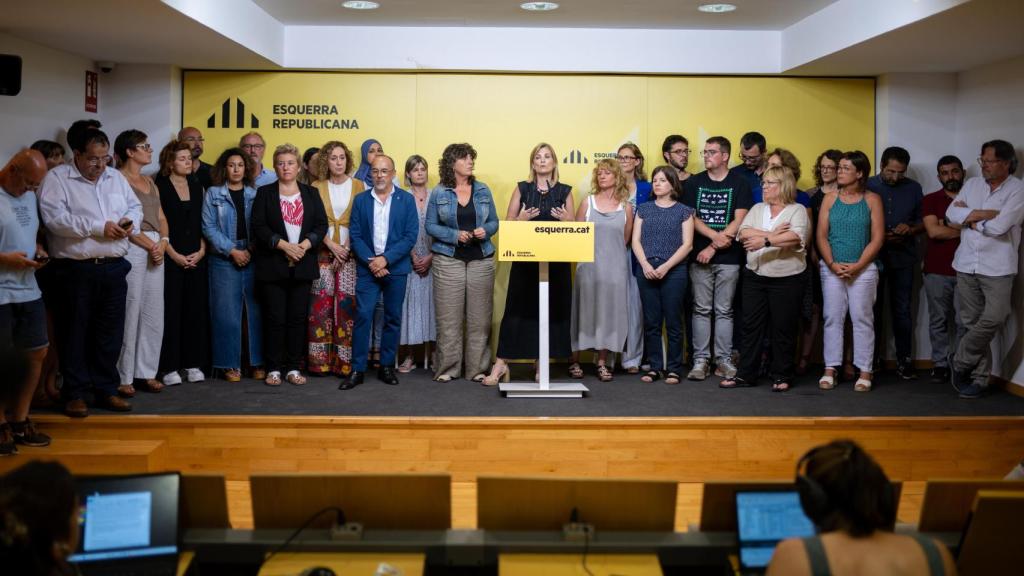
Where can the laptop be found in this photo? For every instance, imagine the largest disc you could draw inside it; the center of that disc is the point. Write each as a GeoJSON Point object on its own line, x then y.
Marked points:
{"type": "Point", "coordinates": [763, 519]}
{"type": "Point", "coordinates": [129, 526]}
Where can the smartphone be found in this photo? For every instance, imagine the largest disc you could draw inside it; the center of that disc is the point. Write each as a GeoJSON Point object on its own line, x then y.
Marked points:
{"type": "Point", "coordinates": [125, 224]}
{"type": "Point", "coordinates": [41, 259]}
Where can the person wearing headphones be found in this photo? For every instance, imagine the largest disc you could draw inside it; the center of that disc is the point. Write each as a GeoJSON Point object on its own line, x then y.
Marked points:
{"type": "Point", "coordinates": [853, 506]}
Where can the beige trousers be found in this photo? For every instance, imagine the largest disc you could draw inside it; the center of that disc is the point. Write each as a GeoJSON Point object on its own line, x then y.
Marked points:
{"type": "Point", "coordinates": [463, 291]}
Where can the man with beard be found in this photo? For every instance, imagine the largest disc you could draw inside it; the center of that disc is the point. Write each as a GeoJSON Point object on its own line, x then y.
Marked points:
{"type": "Point", "coordinates": [200, 170]}
{"type": "Point", "coordinates": [939, 276]}
{"type": "Point", "coordinates": [989, 210]}
{"type": "Point", "coordinates": [676, 151]}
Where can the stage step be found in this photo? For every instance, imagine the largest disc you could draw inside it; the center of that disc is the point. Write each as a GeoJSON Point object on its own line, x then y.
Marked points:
{"type": "Point", "coordinates": [95, 456]}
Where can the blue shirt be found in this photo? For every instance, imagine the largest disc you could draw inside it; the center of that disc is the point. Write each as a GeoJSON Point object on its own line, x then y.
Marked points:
{"type": "Point", "coordinates": [901, 204]}
{"type": "Point", "coordinates": [753, 178]}
{"type": "Point", "coordinates": [661, 233]}
{"type": "Point", "coordinates": [19, 223]}
{"type": "Point", "coordinates": [265, 177]}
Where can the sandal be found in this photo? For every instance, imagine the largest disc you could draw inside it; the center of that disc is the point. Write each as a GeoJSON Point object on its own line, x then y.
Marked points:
{"type": "Point", "coordinates": [259, 373]}
{"type": "Point", "coordinates": [575, 371]}
{"type": "Point", "coordinates": [233, 375]}
{"type": "Point", "coordinates": [443, 378]}
{"type": "Point", "coordinates": [603, 373]}
{"type": "Point", "coordinates": [407, 365]}
{"type": "Point", "coordinates": [651, 376]}
{"type": "Point", "coordinates": [672, 378]}
{"type": "Point", "coordinates": [490, 380]}
{"type": "Point", "coordinates": [273, 379]}
{"type": "Point", "coordinates": [827, 382]}
{"type": "Point", "coordinates": [734, 382]}
{"type": "Point", "coordinates": [150, 385]}
{"type": "Point", "coordinates": [780, 386]}
{"type": "Point", "coordinates": [126, 391]}
{"type": "Point", "coordinates": [862, 385]}
{"type": "Point", "coordinates": [295, 378]}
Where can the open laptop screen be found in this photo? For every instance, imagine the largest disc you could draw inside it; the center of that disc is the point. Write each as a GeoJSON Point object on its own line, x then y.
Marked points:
{"type": "Point", "coordinates": [128, 517]}
{"type": "Point", "coordinates": [763, 519]}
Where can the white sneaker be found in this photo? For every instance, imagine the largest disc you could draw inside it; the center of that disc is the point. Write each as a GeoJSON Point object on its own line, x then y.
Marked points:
{"type": "Point", "coordinates": [726, 368]}
{"type": "Point", "coordinates": [700, 369]}
{"type": "Point", "coordinates": [195, 375]}
{"type": "Point", "coordinates": [172, 379]}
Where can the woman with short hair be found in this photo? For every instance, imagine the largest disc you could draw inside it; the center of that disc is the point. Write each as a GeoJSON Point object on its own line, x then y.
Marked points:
{"type": "Point", "coordinates": [144, 302]}
{"type": "Point", "coordinates": [461, 219]}
{"type": "Point", "coordinates": [288, 224]}
{"type": "Point", "coordinates": [851, 230]}
{"type": "Point", "coordinates": [774, 234]}
{"type": "Point", "coordinates": [186, 315]}
{"type": "Point", "coordinates": [332, 306]}
{"type": "Point", "coordinates": [235, 314]}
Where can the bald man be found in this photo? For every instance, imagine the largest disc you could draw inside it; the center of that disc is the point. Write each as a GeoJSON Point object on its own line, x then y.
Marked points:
{"type": "Point", "coordinates": [22, 313]}
{"type": "Point", "coordinates": [200, 170]}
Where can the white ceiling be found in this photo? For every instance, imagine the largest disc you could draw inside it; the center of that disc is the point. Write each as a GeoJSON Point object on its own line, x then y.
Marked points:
{"type": "Point", "coordinates": [151, 31]}
{"type": "Point", "coordinates": [653, 14]}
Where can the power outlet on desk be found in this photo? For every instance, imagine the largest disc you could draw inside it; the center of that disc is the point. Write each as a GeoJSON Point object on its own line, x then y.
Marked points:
{"type": "Point", "coordinates": [578, 532]}
{"type": "Point", "coordinates": [347, 531]}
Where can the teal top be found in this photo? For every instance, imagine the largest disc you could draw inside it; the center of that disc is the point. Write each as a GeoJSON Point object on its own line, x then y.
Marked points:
{"type": "Point", "coordinates": [819, 561]}
{"type": "Point", "coordinates": [849, 230]}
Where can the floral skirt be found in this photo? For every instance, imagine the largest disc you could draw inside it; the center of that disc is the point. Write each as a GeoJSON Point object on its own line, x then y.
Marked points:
{"type": "Point", "coordinates": [332, 312]}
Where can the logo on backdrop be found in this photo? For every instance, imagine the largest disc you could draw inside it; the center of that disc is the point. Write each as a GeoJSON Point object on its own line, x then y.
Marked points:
{"type": "Point", "coordinates": [225, 116]}
{"type": "Point", "coordinates": [575, 157]}
{"type": "Point", "coordinates": [285, 117]}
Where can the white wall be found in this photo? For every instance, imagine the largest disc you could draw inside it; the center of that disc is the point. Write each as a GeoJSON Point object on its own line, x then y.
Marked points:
{"type": "Point", "coordinates": [52, 95]}
{"type": "Point", "coordinates": [144, 97]}
{"type": "Point", "coordinates": [990, 104]}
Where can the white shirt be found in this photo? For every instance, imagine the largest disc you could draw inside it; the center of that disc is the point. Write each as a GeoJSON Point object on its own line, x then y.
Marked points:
{"type": "Point", "coordinates": [381, 216]}
{"type": "Point", "coordinates": [75, 210]}
{"type": "Point", "coordinates": [991, 247]}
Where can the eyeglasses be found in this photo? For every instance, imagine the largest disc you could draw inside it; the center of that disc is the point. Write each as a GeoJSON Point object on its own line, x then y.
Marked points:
{"type": "Point", "coordinates": [253, 146]}
{"type": "Point", "coordinates": [987, 162]}
{"type": "Point", "coordinates": [144, 147]}
{"type": "Point", "coordinates": [767, 183]}
{"type": "Point", "coordinates": [846, 169]}
{"type": "Point", "coordinates": [827, 169]}
{"type": "Point", "coordinates": [746, 158]}
{"type": "Point", "coordinates": [626, 158]}
{"type": "Point", "coordinates": [707, 153]}
{"type": "Point", "coordinates": [680, 152]}
{"type": "Point", "coordinates": [99, 161]}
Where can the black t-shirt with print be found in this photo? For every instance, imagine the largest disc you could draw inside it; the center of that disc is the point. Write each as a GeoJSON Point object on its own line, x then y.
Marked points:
{"type": "Point", "coordinates": [715, 204]}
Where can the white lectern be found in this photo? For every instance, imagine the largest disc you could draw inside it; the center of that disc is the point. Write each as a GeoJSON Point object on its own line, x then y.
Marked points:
{"type": "Point", "coordinates": [545, 242]}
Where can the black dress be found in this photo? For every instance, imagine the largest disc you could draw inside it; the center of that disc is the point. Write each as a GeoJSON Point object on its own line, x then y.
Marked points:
{"type": "Point", "coordinates": [520, 326]}
{"type": "Point", "coordinates": [186, 309]}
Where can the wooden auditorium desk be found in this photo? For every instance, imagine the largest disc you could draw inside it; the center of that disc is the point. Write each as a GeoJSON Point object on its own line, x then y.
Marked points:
{"type": "Point", "coordinates": [572, 564]}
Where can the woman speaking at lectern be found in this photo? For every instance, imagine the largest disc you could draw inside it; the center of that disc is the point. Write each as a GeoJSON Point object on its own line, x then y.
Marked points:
{"type": "Point", "coordinates": [541, 198]}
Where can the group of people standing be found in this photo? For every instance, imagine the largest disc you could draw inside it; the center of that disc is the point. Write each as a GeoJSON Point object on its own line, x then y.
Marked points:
{"type": "Point", "coordinates": [316, 267]}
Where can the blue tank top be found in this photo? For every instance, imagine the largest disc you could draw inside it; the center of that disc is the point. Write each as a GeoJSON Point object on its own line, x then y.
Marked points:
{"type": "Point", "coordinates": [849, 230]}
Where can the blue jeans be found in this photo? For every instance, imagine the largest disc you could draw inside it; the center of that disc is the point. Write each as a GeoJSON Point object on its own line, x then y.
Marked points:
{"type": "Point", "coordinates": [369, 289]}
{"type": "Point", "coordinates": [232, 290]}
{"type": "Point", "coordinates": [663, 303]}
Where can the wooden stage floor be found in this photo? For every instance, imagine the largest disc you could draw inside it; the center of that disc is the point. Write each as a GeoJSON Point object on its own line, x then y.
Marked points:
{"type": "Point", "coordinates": [688, 450]}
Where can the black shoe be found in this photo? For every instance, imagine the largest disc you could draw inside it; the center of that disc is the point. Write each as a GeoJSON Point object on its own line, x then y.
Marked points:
{"type": "Point", "coordinates": [905, 371]}
{"type": "Point", "coordinates": [940, 374]}
{"type": "Point", "coordinates": [7, 445]}
{"type": "Point", "coordinates": [962, 379]}
{"type": "Point", "coordinates": [354, 379]}
{"type": "Point", "coordinates": [387, 375]}
{"type": "Point", "coordinates": [25, 433]}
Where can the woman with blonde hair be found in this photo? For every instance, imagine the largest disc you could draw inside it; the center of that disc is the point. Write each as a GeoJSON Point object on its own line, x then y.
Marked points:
{"type": "Point", "coordinates": [332, 305]}
{"type": "Point", "coordinates": [540, 198]}
{"type": "Point", "coordinates": [599, 320]}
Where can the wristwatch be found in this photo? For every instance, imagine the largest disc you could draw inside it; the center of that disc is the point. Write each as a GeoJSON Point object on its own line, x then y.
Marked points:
{"type": "Point", "coordinates": [767, 242]}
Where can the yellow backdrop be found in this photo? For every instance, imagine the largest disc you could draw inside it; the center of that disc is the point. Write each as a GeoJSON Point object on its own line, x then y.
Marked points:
{"type": "Point", "coordinates": [503, 116]}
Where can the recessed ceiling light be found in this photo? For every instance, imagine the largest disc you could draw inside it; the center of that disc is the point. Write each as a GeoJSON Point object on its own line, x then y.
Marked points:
{"type": "Point", "coordinates": [716, 8]}
{"type": "Point", "coordinates": [360, 5]}
{"type": "Point", "coordinates": [539, 6]}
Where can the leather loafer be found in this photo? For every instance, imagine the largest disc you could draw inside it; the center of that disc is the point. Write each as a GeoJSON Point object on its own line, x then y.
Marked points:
{"type": "Point", "coordinates": [114, 404]}
{"type": "Point", "coordinates": [76, 408]}
{"type": "Point", "coordinates": [354, 379]}
{"type": "Point", "coordinates": [386, 374]}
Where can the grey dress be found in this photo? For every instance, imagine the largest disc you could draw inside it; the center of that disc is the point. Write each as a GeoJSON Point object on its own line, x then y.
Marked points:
{"type": "Point", "coordinates": [600, 317]}
{"type": "Point", "coordinates": [418, 310]}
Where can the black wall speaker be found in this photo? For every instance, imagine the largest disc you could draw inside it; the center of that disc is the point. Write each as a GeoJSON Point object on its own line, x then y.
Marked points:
{"type": "Point", "coordinates": [10, 75]}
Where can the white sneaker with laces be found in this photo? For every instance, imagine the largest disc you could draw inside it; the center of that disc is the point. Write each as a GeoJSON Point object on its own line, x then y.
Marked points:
{"type": "Point", "coordinates": [195, 375]}
{"type": "Point", "coordinates": [700, 370]}
{"type": "Point", "coordinates": [172, 379]}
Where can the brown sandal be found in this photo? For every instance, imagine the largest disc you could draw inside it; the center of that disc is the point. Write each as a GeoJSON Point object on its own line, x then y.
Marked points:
{"type": "Point", "coordinates": [575, 371]}
{"type": "Point", "coordinates": [233, 375]}
{"type": "Point", "coordinates": [603, 373]}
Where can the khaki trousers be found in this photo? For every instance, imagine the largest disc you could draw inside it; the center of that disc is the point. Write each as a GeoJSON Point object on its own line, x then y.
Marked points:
{"type": "Point", "coordinates": [463, 291]}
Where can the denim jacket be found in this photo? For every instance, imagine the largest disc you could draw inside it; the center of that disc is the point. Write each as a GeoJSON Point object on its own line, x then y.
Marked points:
{"type": "Point", "coordinates": [442, 222]}
{"type": "Point", "coordinates": [219, 225]}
